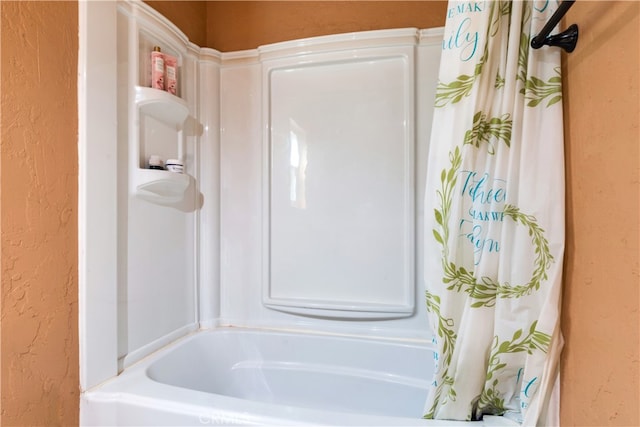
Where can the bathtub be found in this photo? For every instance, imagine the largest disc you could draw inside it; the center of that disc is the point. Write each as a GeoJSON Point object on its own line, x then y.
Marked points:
{"type": "Point", "coordinates": [237, 376]}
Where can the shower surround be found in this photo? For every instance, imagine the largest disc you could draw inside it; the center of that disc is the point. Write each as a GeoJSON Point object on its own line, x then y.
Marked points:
{"type": "Point", "coordinates": [297, 224]}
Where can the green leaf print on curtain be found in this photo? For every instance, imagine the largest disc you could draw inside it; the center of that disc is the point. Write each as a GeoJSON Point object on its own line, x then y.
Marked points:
{"type": "Point", "coordinates": [484, 130]}
{"type": "Point", "coordinates": [494, 231]}
{"type": "Point", "coordinates": [537, 90]}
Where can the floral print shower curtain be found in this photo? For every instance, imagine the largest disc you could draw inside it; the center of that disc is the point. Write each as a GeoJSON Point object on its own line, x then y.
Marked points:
{"type": "Point", "coordinates": [494, 214]}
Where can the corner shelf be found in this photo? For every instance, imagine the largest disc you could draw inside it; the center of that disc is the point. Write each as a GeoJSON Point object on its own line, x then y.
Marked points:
{"type": "Point", "coordinates": [159, 186]}
{"type": "Point", "coordinates": [162, 106]}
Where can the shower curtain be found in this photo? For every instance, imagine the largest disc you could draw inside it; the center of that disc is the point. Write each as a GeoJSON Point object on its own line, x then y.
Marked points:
{"type": "Point", "coordinates": [494, 215]}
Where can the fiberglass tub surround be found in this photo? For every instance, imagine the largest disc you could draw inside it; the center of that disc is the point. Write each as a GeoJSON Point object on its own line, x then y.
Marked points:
{"type": "Point", "coordinates": [299, 209]}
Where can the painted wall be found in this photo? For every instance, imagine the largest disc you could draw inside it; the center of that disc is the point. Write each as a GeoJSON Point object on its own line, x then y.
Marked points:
{"type": "Point", "coordinates": [38, 199]}
{"type": "Point", "coordinates": [237, 25]}
{"type": "Point", "coordinates": [189, 16]}
{"type": "Point", "coordinates": [600, 307]}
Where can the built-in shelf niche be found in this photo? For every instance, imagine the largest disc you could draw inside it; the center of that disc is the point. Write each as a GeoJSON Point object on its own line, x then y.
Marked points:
{"type": "Point", "coordinates": [146, 43]}
{"type": "Point", "coordinates": [159, 108]}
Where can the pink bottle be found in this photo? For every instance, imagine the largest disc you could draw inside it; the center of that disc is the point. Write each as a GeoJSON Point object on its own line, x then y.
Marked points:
{"type": "Point", "coordinates": [157, 68]}
{"type": "Point", "coordinates": [171, 74]}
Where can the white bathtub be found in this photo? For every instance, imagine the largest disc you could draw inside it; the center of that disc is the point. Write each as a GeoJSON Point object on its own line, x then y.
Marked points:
{"type": "Point", "coordinates": [235, 376]}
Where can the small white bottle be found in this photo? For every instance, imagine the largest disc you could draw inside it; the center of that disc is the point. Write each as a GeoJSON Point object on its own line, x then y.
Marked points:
{"type": "Point", "coordinates": [174, 165]}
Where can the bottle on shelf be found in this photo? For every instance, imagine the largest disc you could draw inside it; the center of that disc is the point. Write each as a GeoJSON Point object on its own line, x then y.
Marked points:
{"type": "Point", "coordinates": [155, 162]}
{"type": "Point", "coordinates": [157, 68]}
{"type": "Point", "coordinates": [171, 74]}
{"type": "Point", "coordinates": [175, 165]}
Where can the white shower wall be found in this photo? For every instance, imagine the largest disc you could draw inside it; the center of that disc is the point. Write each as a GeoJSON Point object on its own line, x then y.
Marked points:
{"type": "Point", "coordinates": [218, 256]}
{"type": "Point", "coordinates": [249, 155]}
{"type": "Point", "coordinates": [157, 253]}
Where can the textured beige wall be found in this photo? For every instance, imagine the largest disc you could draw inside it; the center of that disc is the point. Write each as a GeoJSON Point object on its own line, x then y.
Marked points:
{"type": "Point", "coordinates": [189, 16]}
{"type": "Point", "coordinates": [38, 207]}
{"type": "Point", "coordinates": [237, 25]}
{"type": "Point", "coordinates": [600, 307]}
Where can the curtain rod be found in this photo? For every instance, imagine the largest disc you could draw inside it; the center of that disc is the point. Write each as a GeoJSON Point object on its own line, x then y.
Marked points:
{"type": "Point", "coordinates": [566, 40]}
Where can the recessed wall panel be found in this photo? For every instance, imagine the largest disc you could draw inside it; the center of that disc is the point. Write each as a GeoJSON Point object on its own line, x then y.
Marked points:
{"type": "Point", "coordinates": [339, 191]}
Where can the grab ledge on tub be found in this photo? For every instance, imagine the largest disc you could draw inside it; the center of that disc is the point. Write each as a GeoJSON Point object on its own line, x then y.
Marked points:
{"type": "Point", "coordinates": [332, 310]}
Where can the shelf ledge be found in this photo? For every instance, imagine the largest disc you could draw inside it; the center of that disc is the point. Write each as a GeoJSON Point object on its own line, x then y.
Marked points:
{"type": "Point", "coordinates": [162, 106]}
{"type": "Point", "coordinates": [161, 187]}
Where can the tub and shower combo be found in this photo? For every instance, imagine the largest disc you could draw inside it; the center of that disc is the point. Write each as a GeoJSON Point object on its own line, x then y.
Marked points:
{"type": "Point", "coordinates": [276, 280]}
